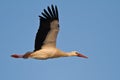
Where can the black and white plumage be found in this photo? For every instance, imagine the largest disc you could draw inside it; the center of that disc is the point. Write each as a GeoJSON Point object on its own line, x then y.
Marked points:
{"type": "Point", "coordinates": [45, 41]}
{"type": "Point", "coordinates": [49, 27]}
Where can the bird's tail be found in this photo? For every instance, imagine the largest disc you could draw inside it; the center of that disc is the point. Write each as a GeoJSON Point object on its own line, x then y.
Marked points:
{"type": "Point", "coordinates": [25, 56]}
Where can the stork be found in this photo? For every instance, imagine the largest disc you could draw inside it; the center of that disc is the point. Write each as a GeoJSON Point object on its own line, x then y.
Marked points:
{"type": "Point", "coordinates": [45, 41]}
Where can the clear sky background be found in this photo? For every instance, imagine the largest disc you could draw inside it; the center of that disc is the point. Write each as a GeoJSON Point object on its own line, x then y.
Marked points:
{"type": "Point", "coordinates": [91, 27]}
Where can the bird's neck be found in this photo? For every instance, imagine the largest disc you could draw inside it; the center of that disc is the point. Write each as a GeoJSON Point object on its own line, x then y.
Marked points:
{"type": "Point", "coordinates": [65, 54]}
{"type": "Point", "coordinates": [71, 54]}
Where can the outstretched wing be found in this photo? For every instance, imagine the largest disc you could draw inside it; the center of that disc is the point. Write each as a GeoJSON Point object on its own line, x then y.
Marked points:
{"type": "Point", "coordinates": [48, 29]}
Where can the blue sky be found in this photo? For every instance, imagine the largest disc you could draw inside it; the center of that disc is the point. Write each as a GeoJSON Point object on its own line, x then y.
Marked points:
{"type": "Point", "coordinates": [91, 27]}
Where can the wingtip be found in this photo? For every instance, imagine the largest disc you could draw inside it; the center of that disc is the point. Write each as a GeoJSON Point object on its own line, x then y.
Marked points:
{"type": "Point", "coordinates": [52, 5]}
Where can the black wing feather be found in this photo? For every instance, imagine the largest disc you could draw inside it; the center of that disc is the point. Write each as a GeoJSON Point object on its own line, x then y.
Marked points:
{"type": "Point", "coordinates": [47, 16]}
{"type": "Point", "coordinates": [50, 12]}
{"type": "Point", "coordinates": [56, 11]}
{"type": "Point", "coordinates": [47, 13]}
{"type": "Point", "coordinates": [53, 10]}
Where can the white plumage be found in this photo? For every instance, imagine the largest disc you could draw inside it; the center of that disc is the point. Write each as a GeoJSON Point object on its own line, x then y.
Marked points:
{"type": "Point", "coordinates": [45, 42]}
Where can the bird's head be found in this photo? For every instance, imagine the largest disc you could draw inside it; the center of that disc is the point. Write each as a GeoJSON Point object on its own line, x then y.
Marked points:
{"type": "Point", "coordinates": [75, 53]}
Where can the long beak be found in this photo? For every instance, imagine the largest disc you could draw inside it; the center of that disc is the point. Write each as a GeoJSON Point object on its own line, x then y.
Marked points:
{"type": "Point", "coordinates": [81, 55]}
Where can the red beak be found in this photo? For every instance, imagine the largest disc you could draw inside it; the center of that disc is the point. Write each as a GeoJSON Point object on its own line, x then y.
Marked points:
{"type": "Point", "coordinates": [81, 55]}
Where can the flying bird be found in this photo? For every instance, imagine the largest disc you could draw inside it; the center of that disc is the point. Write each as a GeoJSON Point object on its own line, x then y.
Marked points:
{"type": "Point", "coordinates": [45, 41]}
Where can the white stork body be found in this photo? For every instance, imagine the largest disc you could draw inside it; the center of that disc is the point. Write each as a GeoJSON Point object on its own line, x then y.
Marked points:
{"type": "Point", "coordinates": [48, 53]}
{"type": "Point", "coordinates": [45, 42]}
